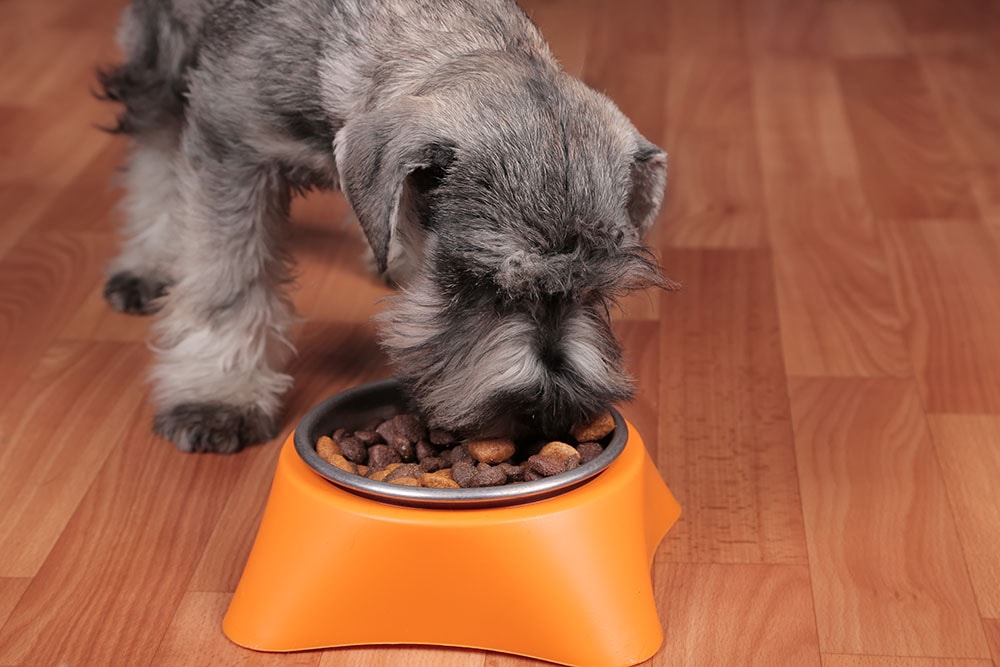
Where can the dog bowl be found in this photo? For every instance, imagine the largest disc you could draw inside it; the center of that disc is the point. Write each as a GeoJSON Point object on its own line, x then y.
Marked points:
{"type": "Point", "coordinates": [553, 569]}
{"type": "Point", "coordinates": [359, 407]}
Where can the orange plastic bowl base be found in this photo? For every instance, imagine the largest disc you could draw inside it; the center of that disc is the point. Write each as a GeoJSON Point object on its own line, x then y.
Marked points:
{"type": "Point", "coordinates": [565, 579]}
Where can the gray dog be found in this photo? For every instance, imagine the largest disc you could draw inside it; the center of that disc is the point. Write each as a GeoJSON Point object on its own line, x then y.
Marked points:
{"type": "Point", "coordinates": [506, 198]}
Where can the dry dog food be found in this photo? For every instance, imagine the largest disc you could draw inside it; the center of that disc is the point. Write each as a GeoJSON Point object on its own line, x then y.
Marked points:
{"type": "Point", "coordinates": [402, 450]}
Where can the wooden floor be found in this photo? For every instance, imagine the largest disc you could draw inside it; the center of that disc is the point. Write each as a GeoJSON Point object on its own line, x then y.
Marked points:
{"type": "Point", "coordinates": [823, 396]}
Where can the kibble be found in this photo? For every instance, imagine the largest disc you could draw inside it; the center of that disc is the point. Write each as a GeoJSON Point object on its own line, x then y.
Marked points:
{"type": "Point", "coordinates": [491, 451]}
{"type": "Point", "coordinates": [327, 447]}
{"type": "Point", "coordinates": [401, 450]}
{"type": "Point", "coordinates": [598, 428]}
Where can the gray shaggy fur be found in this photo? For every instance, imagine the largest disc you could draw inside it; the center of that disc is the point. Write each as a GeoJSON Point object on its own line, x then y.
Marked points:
{"type": "Point", "coordinates": [507, 199]}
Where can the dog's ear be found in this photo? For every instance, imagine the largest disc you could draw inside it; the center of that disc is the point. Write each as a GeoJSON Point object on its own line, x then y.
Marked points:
{"type": "Point", "coordinates": [383, 155]}
{"type": "Point", "coordinates": [648, 177]}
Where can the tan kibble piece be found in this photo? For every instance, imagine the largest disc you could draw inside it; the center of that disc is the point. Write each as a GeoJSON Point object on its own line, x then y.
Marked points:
{"type": "Point", "coordinates": [560, 451]}
{"type": "Point", "coordinates": [339, 461]}
{"type": "Point", "coordinates": [491, 451]}
{"type": "Point", "coordinates": [433, 480]}
{"type": "Point", "coordinates": [598, 428]}
{"type": "Point", "coordinates": [363, 470]}
{"type": "Point", "coordinates": [405, 481]}
{"type": "Point", "coordinates": [327, 448]}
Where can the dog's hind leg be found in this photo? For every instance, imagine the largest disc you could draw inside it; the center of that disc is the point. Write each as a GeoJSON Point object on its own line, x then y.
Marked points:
{"type": "Point", "coordinates": [150, 85]}
{"type": "Point", "coordinates": [221, 342]}
{"type": "Point", "coordinates": [143, 270]}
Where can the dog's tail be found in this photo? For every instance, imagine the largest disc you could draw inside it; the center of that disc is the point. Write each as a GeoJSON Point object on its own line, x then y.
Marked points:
{"type": "Point", "coordinates": [152, 82]}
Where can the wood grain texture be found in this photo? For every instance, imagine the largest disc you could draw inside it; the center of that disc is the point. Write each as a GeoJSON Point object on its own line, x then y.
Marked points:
{"type": "Point", "coordinates": [135, 538]}
{"type": "Point", "coordinates": [749, 614]}
{"type": "Point", "coordinates": [417, 656]}
{"type": "Point", "coordinates": [992, 627]}
{"type": "Point", "coordinates": [786, 27]}
{"type": "Point", "coordinates": [11, 590]}
{"type": "Point", "coordinates": [193, 639]}
{"type": "Point", "coordinates": [833, 213]}
{"type": "Point", "coordinates": [725, 441]}
{"type": "Point", "coordinates": [715, 195]}
{"type": "Point", "coordinates": [951, 331]}
{"type": "Point", "coordinates": [908, 165]}
{"type": "Point", "coordinates": [887, 568]}
{"type": "Point", "coordinates": [967, 451]}
{"type": "Point", "coordinates": [43, 279]}
{"type": "Point", "coordinates": [838, 315]}
{"type": "Point", "coordinates": [833, 660]}
{"type": "Point", "coordinates": [865, 28]}
{"type": "Point", "coordinates": [79, 392]}
{"type": "Point", "coordinates": [641, 343]}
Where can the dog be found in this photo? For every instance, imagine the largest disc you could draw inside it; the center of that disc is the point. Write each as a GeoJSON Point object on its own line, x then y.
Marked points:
{"type": "Point", "coordinates": [507, 199]}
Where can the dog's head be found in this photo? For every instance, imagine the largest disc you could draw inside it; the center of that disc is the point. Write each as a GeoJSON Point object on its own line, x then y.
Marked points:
{"type": "Point", "coordinates": [520, 197]}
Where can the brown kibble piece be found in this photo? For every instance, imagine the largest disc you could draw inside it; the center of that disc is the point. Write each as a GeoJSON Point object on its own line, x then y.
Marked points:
{"type": "Point", "coordinates": [513, 473]}
{"type": "Point", "coordinates": [368, 438]}
{"type": "Point", "coordinates": [487, 475]}
{"type": "Point", "coordinates": [432, 464]}
{"type": "Point", "coordinates": [379, 456]}
{"type": "Point", "coordinates": [599, 427]}
{"type": "Point", "coordinates": [546, 465]}
{"type": "Point", "coordinates": [462, 473]}
{"type": "Point", "coordinates": [425, 450]}
{"type": "Point", "coordinates": [561, 451]}
{"type": "Point", "coordinates": [408, 427]}
{"type": "Point", "coordinates": [326, 448]}
{"type": "Point", "coordinates": [589, 451]}
{"type": "Point", "coordinates": [435, 480]}
{"type": "Point", "coordinates": [404, 470]}
{"type": "Point", "coordinates": [353, 449]}
{"type": "Point", "coordinates": [460, 453]}
{"type": "Point", "coordinates": [394, 436]}
{"type": "Point", "coordinates": [491, 451]}
{"type": "Point", "coordinates": [405, 481]}
{"type": "Point", "coordinates": [531, 476]}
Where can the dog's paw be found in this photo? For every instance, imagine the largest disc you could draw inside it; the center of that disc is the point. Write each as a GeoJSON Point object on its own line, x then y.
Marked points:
{"type": "Point", "coordinates": [214, 427]}
{"type": "Point", "coordinates": [128, 293]}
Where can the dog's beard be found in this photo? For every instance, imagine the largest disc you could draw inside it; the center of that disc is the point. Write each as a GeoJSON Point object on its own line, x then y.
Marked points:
{"type": "Point", "coordinates": [479, 370]}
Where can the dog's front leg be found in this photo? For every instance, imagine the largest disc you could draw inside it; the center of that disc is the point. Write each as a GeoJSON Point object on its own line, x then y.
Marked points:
{"type": "Point", "coordinates": [221, 343]}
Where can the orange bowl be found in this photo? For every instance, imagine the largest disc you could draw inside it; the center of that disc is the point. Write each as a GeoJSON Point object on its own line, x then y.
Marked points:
{"type": "Point", "coordinates": [563, 578]}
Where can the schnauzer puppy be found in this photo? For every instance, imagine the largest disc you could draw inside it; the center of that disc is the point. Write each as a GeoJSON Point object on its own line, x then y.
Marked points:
{"type": "Point", "coordinates": [506, 198]}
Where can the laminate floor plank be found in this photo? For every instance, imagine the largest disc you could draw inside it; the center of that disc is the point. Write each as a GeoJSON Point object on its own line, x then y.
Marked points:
{"type": "Point", "coordinates": [888, 572]}
{"type": "Point", "coordinates": [749, 614]}
{"type": "Point", "coordinates": [725, 442]}
{"type": "Point", "coordinates": [821, 394]}
{"type": "Point", "coordinates": [715, 197]}
{"type": "Point", "coordinates": [865, 28]}
{"type": "Point", "coordinates": [970, 463]}
{"type": "Point", "coordinates": [831, 660]}
{"type": "Point", "coordinates": [838, 314]}
{"type": "Point", "coordinates": [135, 537]}
{"type": "Point", "coordinates": [908, 165]}
{"type": "Point", "coordinates": [951, 330]}
{"type": "Point", "coordinates": [43, 279]}
{"type": "Point", "coordinates": [79, 393]}
{"type": "Point", "coordinates": [194, 639]}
